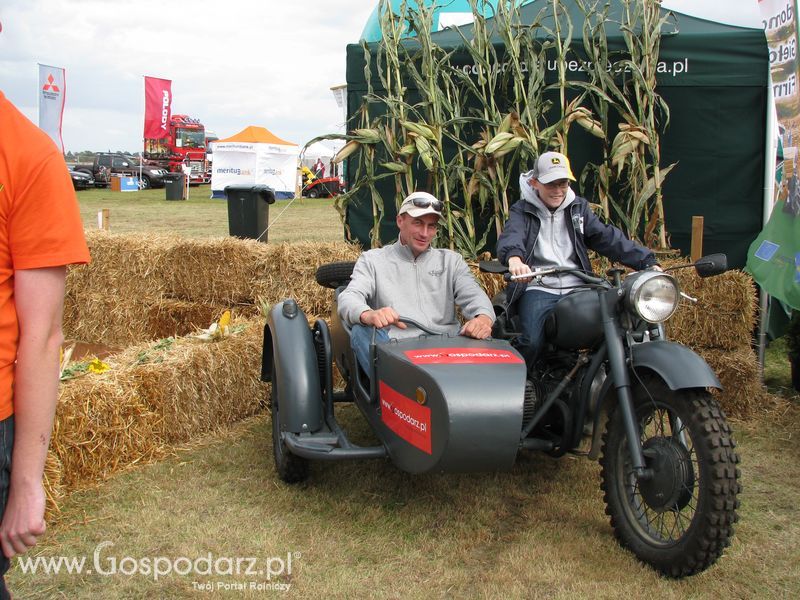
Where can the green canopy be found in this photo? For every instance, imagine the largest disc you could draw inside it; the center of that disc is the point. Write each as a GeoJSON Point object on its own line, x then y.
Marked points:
{"type": "Point", "coordinates": [714, 79]}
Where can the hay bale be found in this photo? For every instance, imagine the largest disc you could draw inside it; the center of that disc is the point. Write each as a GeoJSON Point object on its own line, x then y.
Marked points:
{"type": "Point", "coordinates": [740, 376]}
{"type": "Point", "coordinates": [103, 317]}
{"type": "Point", "coordinates": [53, 484]}
{"type": "Point", "coordinates": [293, 274]}
{"type": "Point", "coordinates": [196, 387]}
{"type": "Point", "coordinates": [154, 395]}
{"type": "Point", "coordinates": [724, 316]}
{"type": "Point", "coordinates": [101, 425]}
{"type": "Point", "coordinates": [124, 265]}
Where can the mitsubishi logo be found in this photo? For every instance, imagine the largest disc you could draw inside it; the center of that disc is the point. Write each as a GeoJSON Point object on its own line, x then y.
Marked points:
{"type": "Point", "coordinates": [50, 85]}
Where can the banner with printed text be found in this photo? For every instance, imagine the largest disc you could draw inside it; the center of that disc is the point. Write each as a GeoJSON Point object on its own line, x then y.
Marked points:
{"type": "Point", "coordinates": [774, 256]}
{"type": "Point", "coordinates": [157, 107]}
{"type": "Point", "coordinates": [52, 94]}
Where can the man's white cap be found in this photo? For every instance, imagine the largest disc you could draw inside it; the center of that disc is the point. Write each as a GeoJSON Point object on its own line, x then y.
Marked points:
{"type": "Point", "coordinates": [417, 211]}
{"type": "Point", "coordinates": [552, 166]}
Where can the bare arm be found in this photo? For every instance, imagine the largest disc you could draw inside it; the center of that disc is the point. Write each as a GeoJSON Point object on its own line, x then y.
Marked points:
{"type": "Point", "coordinates": [39, 299]}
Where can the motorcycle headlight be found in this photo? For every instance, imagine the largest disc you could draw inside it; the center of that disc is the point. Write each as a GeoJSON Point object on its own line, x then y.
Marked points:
{"type": "Point", "coordinates": [653, 296]}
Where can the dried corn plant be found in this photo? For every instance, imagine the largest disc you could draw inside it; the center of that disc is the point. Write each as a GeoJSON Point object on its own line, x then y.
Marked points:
{"type": "Point", "coordinates": [623, 85]}
{"type": "Point", "coordinates": [464, 133]}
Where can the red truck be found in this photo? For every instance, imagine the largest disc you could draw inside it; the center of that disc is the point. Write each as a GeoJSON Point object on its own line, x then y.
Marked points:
{"type": "Point", "coordinates": [186, 144]}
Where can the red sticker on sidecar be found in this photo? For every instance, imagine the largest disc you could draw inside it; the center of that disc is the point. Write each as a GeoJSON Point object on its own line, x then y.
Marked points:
{"type": "Point", "coordinates": [462, 356]}
{"type": "Point", "coordinates": [406, 418]}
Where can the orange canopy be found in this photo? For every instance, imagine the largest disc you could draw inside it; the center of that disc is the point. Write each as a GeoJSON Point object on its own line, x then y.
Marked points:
{"type": "Point", "coordinates": [255, 134]}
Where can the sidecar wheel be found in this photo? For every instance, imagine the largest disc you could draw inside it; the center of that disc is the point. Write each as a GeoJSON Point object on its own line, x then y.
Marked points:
{"type": "Point", "coordinates": [335, 274]}
{"type": "Point", "coordinates": [290, 468]}
{"type": "Point", "coordinates": [680, 521]}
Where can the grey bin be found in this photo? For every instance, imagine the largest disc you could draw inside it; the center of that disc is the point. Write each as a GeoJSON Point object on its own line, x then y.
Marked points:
{"type": "Point", "coordinates": [248, 210]}
{"type": "Point", "coordinates": [175, 187]}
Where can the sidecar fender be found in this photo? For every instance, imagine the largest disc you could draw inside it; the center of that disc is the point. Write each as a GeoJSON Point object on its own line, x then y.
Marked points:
{"type": "Point", "coordinates": [289, 345]}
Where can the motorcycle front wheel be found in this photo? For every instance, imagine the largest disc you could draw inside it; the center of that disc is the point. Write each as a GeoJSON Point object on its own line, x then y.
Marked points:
{"type": "Point", "coordinates": [681, 519]}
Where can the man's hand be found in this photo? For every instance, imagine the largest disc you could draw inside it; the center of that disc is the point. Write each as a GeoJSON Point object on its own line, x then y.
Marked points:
{"type": "Point", "coordinates": [23, 520]}
{"type": "Point", "coordinates": [382, 317]}
{"type": "Point", "coordinates": [479, 328]}
{"type": "Point", "coordinates": [517, 267]}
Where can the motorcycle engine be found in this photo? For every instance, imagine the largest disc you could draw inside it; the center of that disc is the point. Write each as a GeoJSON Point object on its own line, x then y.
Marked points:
{"type": "Point", "coordinates": [535, 393]}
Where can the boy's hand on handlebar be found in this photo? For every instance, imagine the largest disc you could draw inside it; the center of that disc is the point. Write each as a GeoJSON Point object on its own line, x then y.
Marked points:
{"type": "Point", "coordinates": [516, 267]}
{"type": "Point", "coordinates": [479, 328]}
{"type": "Point", "coordinates": [382, 317]}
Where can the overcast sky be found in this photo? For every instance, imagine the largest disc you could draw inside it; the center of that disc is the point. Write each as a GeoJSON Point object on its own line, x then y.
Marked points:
{"type": "Point", "coordinates": [232, 63]}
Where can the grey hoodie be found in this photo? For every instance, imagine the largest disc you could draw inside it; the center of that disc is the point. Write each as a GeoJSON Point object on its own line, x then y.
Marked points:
{"type": "Point", "coordinates": [425, 289]}
{"type": "Point", "coordinates": [554, 245]}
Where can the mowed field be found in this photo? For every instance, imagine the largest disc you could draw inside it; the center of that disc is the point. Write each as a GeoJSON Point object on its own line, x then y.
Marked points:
{"type": "Point", "coordinates": [213, 520]}
{"type": "Point", "coordinates": [308, 219]}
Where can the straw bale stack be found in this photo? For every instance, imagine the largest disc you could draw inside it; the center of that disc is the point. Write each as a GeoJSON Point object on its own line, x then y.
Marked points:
{"type": "Point", "coordinates": [739, 374]}
{"type": "Point", "coordinates": [153, 396]}
{"type": "Point", "coordinates": [53, 486]}
{"type": "Point", "coordinates": [294, 269]}
{"type": "Point", "coordinates": [724, 316]}
{"type": "Point", "coordinates": [102, 425]}
{"type": "Point", "coordinates": [136, 283]}
{"type": "Point", "coordinates": [96, 316]}
{"type": "Point", "coordinates": [197, 387]}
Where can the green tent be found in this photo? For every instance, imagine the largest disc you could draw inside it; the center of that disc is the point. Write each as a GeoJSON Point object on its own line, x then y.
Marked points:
{"type": "Point", "coordinates": [714, 78]}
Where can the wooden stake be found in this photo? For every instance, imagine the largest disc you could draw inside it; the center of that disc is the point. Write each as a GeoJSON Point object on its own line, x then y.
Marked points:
{"type": "Point", "coordinates": [103, 218]}
{"type": "Point", "coordinates": [697, 238]}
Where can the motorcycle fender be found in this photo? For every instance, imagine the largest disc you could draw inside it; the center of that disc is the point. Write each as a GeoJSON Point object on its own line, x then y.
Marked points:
{"type": "Point", "coordinates": [295, 358]}
{"type": "Point", "coordinates": [678, 366]}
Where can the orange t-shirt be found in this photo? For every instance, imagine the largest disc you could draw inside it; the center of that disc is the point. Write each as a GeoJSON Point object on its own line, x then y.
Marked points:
{"type": "Point", "coordinates": [40, 224]}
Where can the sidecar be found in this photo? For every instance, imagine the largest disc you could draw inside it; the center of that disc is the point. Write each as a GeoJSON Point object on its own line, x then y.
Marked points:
{"type": "Point", "coordinates": [436, 403]}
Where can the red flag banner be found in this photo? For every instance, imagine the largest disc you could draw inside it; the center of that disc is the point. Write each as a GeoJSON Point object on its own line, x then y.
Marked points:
{"type": "Point", "coordinates": [157, 107]}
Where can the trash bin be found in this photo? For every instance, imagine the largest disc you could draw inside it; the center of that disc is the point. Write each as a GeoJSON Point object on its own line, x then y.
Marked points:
{"type": "Point", "coordinates": [175, 187]}
{"type": "Point", "coordinates": [248, 210]}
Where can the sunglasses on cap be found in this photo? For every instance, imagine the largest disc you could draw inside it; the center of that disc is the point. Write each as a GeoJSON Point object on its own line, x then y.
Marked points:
{"type": "Point", "coordinates": [436, 205]}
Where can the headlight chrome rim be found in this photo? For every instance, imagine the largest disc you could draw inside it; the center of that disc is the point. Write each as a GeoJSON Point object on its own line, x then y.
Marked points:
{"type": "Point", "coordinates": [653, 296]}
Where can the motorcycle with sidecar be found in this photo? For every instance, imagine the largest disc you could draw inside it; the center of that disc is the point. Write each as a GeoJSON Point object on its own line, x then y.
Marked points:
{"type": "Point", "coordinates": [608, 385]}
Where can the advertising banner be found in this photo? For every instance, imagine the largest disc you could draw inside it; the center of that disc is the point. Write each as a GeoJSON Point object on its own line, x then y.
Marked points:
{"type": "Point", "coordinates": [52, 94]}
{"type": "Point", "coordinates": [774, 256]}
{"type": "Point", "coordinates": [157, 107]}
{"type": "Point", "coordinates": [243, 163]}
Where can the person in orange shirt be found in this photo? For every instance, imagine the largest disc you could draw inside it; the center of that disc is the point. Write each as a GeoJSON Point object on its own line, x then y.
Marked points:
{"type": "Point", "coordinates": [40, 233]}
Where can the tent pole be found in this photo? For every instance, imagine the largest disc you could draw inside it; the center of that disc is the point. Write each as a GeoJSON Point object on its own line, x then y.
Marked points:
{"type": "Point", "coordinates": [771, 148]}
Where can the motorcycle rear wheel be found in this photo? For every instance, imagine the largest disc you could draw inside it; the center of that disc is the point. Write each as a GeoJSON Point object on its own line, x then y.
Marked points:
{"type": "Point", "coordinates": [681, 520]}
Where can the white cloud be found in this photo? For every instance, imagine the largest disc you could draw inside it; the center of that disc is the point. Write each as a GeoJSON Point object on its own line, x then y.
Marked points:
{"type": "Point", "coordinates": [233, 64]}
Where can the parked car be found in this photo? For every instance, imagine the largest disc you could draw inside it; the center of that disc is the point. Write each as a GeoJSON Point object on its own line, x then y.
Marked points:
{"type": "Point", "coordinates": [106, 165]}
{"type": "Point", "coordinates": [80, 179]}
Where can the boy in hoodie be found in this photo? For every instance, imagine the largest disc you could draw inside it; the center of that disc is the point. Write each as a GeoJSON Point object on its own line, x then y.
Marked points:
{"type": "Point", "coordinates": [551, 226]}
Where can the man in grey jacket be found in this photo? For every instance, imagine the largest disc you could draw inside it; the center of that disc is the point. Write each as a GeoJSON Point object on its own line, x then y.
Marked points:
{"type": "Point", "coordinates": [411, 279]}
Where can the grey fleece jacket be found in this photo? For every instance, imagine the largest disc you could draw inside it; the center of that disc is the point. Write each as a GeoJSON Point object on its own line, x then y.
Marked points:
{"type": "Point", "coordinates": [553, 245]}
{"type": "Point", "coordinates": [425, 289]}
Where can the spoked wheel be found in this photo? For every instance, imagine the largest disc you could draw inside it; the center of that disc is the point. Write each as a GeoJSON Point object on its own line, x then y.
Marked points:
{"type": "Point", "coordinates": [290, 468]}
{"type": "Point", "coordinates": [679, 521]}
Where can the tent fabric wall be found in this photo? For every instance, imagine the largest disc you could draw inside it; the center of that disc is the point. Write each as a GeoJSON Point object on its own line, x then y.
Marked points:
{"type": "Point", "coordinates": [714, 80]}
{"type": "Point", "coordinates": [255, 156]}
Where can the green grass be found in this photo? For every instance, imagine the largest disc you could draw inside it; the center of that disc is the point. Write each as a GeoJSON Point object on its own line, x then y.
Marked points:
{"type": "Point", "coordinates": [305, 219]}
{"type": "Point", "coordinates": [367, 530]}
